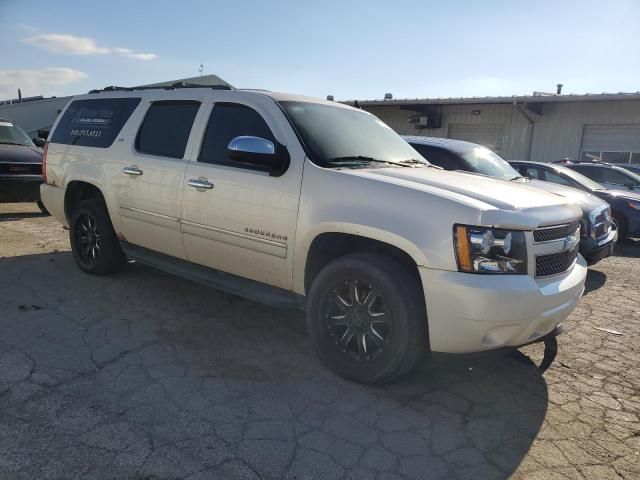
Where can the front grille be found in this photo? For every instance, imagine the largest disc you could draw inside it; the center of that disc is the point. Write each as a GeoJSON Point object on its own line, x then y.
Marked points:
{"type": "Point", "coordinates": [20, 169]}
{"type": "Point", "coordinates": [601, 225]}
{"type": "Point", "coordinates": [548, 234]}
{"type": "Point", "coordinates": [555, 263]}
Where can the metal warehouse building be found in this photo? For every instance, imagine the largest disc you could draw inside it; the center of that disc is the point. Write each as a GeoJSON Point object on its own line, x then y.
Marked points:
{"type": "Point", "coordinates": [40, 113]}
{"type": "Point", "coordinates": [539, 127]}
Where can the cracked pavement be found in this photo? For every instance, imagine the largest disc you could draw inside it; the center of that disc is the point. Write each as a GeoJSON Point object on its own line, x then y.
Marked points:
{"type": "Point", "coordinates": [142, 375]}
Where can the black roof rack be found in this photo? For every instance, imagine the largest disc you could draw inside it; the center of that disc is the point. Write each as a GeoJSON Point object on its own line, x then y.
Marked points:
{"type": "Point", "coordinates": [173, 86]}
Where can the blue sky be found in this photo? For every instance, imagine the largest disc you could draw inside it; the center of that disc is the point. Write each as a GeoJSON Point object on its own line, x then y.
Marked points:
{"type": "Point", "coordinates": [351, 49]}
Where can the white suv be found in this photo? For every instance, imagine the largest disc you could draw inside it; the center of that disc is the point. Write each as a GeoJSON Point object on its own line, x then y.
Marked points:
{"type": "Point", "coordinates": [294, 201]}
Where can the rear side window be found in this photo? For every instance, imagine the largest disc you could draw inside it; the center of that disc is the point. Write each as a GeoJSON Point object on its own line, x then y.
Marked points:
{"type": "Point", "coordinates": [94, 123]}
{"type": "Point", "coordinates": [227, 121]}
{"type": "Point", "coordinates": [166, 127]}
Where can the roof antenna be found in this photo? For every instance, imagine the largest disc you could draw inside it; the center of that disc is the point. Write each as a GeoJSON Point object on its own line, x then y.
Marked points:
{"type": "Point", "coordinates": [201, 68]}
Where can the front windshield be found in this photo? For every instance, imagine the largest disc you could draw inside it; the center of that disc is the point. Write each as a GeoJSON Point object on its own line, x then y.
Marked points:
{"type": "Point", "coordinates": [581, 179]}
{"type": "Point", "coordinates": [12, 134]}
{"type": "Point", "coordinates": [342, 137]}
{"type": "Point", "coordinates": [482, 160]}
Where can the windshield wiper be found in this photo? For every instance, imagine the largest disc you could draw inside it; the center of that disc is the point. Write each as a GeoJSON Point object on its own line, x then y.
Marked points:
{"type": "Point", "coordinates": [337, 161]}
{"type": "Point", "coordinates": [517, 177]}
{"type": "Point", "coordinates": [4, 142]}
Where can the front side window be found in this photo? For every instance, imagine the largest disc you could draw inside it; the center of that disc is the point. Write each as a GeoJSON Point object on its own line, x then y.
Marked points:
{"type": "Point", "coordinates": [612, 175]}
{"type": "Point", "coordinates": [12, 134]}
{"type": "Point", "coordinates": [228, 121]}
{"type": "Point", "coordinates": [341, 137]}
{"type": "Point", "coordinates": [93, 122]}
{"type": "Point", "coordinates": [166, 128]}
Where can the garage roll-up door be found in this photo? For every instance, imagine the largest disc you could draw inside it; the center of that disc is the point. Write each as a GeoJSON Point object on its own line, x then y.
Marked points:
{"type": "Point", "coordinates": [616, 143]}
{"type": "Point", "coordinates": [489, 135]}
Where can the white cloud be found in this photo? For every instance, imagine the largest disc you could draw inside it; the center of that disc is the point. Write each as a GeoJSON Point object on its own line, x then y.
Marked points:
{"type": "Point", "coordinates": [66, 44]}
{"type": "Point", "coordinates": [72, 45]}
{"type": "Point", "coordinates": [125, 52]}
{"type": "Point", "coordinates": [36, 82]}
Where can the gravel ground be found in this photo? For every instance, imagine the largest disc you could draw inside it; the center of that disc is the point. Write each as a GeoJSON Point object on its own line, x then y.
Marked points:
{"type": "Point", "coordinates": [144, 375]}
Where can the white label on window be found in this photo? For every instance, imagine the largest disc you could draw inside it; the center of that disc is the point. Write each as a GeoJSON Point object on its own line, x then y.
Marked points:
{"type": "Point", "coordinates": [6, 124]}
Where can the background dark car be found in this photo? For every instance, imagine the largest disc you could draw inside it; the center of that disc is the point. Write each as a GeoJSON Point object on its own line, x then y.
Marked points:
{"type": "Point", "coordinates": [625, 205]}
{"type": "Point", "coordinates": [608, 175]}
{"type": "Point", "coordinates": [632, 167]}
{"type": "Point", "coordinates": [597, 236]}
{"type": "Point", "coordinates": [20, 165]}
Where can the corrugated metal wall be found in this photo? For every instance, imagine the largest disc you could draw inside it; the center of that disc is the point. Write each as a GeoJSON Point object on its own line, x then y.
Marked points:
{"type": "Point", "coordinates": [32, 116]}
{"type": "Point", "coordinates": [557, 132]}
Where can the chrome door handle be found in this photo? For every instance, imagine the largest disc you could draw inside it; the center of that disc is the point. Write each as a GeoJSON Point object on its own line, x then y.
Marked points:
{"type": "Point", "coordinates": [199, 183]}
{"type": "Point", "coordinates": [132, 170]}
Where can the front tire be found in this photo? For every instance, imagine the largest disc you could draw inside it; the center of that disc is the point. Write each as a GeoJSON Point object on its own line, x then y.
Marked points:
{"type": "Point", "coordinates": [621, 225]}
{"type": "Point", "coordinates": [94, 244]}
{"type": "Point", "coordinates": [42, 208]}
{"type": "Point", "coordinates": [367, 319]}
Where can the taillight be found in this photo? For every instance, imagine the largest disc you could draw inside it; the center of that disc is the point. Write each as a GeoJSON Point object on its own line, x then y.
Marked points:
{"type": "Point", "coordinates": [44, 161]}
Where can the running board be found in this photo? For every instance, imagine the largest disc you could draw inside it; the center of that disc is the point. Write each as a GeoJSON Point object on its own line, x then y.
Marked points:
{"type": "Point", "coordinates": [242, 287]}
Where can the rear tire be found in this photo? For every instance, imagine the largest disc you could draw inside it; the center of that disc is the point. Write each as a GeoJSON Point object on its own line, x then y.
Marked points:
{"type": "Point", "coordinates": [94, 244]}
{"type": "Point", "coordinates": [367, 319]}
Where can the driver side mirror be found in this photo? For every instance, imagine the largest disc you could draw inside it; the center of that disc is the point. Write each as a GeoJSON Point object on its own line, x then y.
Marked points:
{"type": "Point", "coordinates": [39, 142]}
{"type": "Point", "coordinates": [259, 152]}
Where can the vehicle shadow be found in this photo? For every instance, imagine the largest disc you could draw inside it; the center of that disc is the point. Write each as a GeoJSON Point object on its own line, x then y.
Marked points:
{"type": "Point", "coordinates": [629, 247]}
{"type": "Point", "coordinates": [12, 216]}
{"type": "Point", "coordinates": [595, 280]}
{"type": "Point", "coordinates": [164, 357]}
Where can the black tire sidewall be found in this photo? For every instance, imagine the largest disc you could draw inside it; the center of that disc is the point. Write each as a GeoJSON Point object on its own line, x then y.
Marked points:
{"type": "Point", "coordinates": [111, 257]}
{"type": "Point", "coordinates": [400, 298]}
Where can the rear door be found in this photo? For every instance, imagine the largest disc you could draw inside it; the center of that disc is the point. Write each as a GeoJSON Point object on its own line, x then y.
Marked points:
{"type": "Point", "coordinates": [150, 176]}
{"type": "Point", "coordinates": [244, 222]}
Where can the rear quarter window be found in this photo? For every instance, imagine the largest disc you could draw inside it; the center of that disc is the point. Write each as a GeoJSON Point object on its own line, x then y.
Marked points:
{"type": "Point", "coordinates": [95, 122]}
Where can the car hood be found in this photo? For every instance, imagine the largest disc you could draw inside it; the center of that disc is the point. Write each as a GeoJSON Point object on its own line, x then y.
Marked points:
{"type": "Point", "coordinates": [20, 154]}
{"type": "Point", "coordinates": [586, 201]}
{"type": "Point", "coordinates": [493, 192]}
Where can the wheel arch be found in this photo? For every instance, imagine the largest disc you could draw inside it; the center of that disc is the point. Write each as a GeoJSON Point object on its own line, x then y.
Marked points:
{"type": "Point", "coordinates": [78, 190]}
{"type": "Point", "coordinates": [330, 245]}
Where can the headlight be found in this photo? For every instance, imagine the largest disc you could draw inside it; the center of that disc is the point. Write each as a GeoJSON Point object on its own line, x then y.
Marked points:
{"type": "Point", "coordinates": [635, 205]}
{"type": "Point", "coordinates": [490, 250]}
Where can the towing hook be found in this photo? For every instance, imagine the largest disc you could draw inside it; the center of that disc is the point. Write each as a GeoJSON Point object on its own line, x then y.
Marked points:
{"type": "Point", "coordinates": [550, 352]}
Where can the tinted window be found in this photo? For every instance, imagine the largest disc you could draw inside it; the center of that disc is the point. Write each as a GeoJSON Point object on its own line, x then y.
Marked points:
{"type": "Point", "coordinates": [439, 157]}
{"type": "Point", "coordinates": [594, 173]}
{"type": "Point", "coordinates": [228, 121]}
{"type": "Point", "coordinates": [611, 175]}
{"type": "Point", "coordinates": [166, 127]}
{"type": "Point", "coordinates": [95, 122]}
{"type": "Point", "coordinates": [532, 173]}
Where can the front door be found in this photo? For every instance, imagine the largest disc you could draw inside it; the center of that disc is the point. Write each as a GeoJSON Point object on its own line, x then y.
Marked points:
{"type": "Point", "coordinates": [236, 217]}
